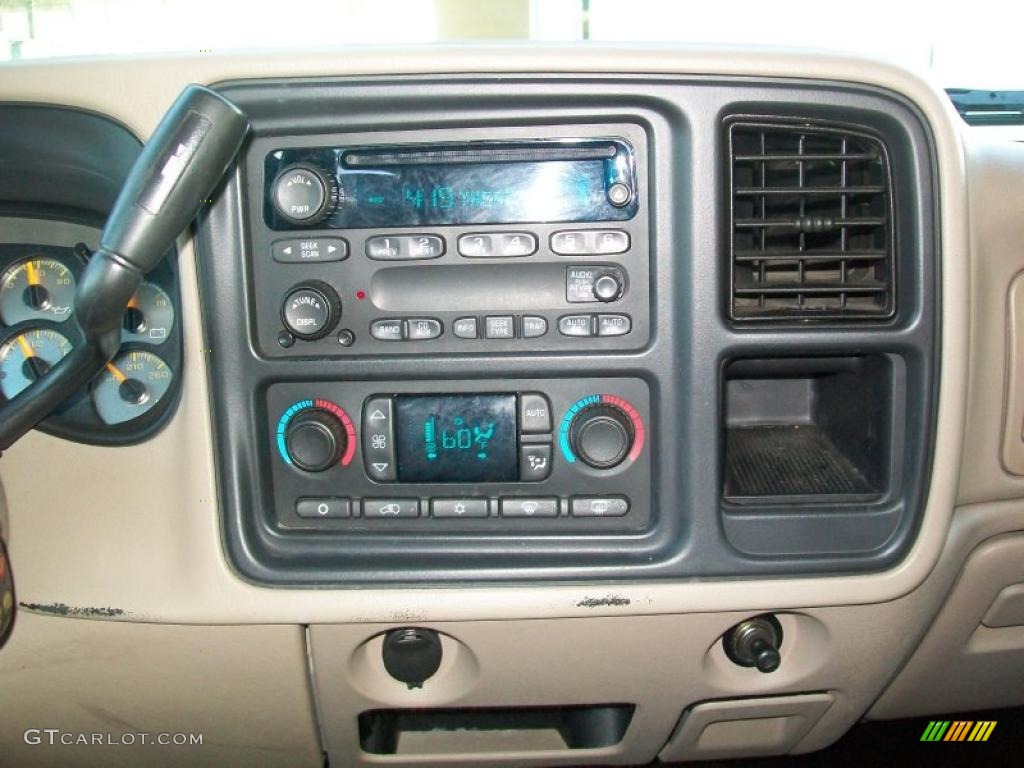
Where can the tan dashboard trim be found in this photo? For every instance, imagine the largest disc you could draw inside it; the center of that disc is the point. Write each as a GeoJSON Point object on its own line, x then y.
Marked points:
{"type": "Point", "coordinates": [149, 544]}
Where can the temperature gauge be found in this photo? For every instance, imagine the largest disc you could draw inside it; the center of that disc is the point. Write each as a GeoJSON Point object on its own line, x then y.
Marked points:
{"type": "Point", "coordinates": [39, 288]}
{"type": "Point", "coordinates": [131, 385]}
{"type": "Point", "coordinates": [149, 316]}
{"type": "Point", "coordinates": [28, 356]}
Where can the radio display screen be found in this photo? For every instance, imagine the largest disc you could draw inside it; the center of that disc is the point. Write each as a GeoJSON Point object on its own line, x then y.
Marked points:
{"type": "Point", "coordinates": [456, 439]}
{"type": "Point", "coordinates": [465, 185]}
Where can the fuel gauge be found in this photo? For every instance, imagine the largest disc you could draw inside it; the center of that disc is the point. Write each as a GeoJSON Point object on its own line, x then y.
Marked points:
{"type": "Point", "coordinates": [149, 316]}
{"type": "Point", "coordinates": [39, 288]}
{"type": "Point", "coordinates": [130, 386]}
{"type": "Point", "coordinates": [28, 357]}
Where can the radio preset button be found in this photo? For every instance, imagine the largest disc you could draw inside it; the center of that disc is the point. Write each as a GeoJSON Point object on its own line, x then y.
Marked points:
{"type": "Point", "coordinates": [534, 414]}
{"type": "Point", "coordinates": [499, 327]}
{"type": "Point", "coordinates": [613, 325]}
{"type": "Point", "coordinates": [534, 463]}
{"type": "Point", "coordinates": [476, 246]}
{"type": "Point", "coordinates": [534, 327]}
{"type": "Point", "coordinates": [387, 330]}
{"type": "Point", "coordinates": [404, 247]}
{"type": "Point", "coordinates": [379, 439]}
{"type": "Point", "coordinates": [313, 250]}
{"type": "Point", "coordinates": [610, 241]}
{"type": "Point", "coordinates": [386, 508]}
{"type": "Point", "coordinates": [424, 246]}
{"type": "Point", "coordinates": [323, 508]}
{"type": "Point", "coordinates": [538, 507]}
{"type": "Point", "coordinates": [459, 508]}
{"type": "Point", "coordinates": [576, 325]}
{"type": "Point", "coordinates": [422, 328]}
{"type": "Point", "coordinates": [581, 242]}
{"type": "Point", "coordinates": [599, 506]}
{"type": "Point", "coordinates": [569, 242]}
{"type": "Point", "coordinates": [516, 243]}
{"type": "Point", "coordinates": [465, 328]}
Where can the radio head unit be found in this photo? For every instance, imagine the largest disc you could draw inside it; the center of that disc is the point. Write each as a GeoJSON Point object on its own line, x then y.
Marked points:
{"type": "Point", "coordinates": [488, 182]}
{"type": "Point", "coordinates": [515, 240]}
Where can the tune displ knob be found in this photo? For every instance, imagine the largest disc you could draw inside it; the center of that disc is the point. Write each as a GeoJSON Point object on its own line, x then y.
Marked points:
{"type": "Point", "coordinates": [316, 440]}
{"type": "Point", "coordinates": [601, 436]}
{"type": "Point", "coordinates": [304, 194]}
{"type": "Point", "coordinates": [311, 310]}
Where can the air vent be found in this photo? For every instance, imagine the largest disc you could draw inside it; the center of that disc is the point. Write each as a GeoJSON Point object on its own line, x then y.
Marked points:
{"type": "Point", "coordinates": [812, 230]}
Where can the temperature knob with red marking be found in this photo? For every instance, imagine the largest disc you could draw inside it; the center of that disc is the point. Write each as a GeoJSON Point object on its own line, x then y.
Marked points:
{"type": "Point", "coordinates": [601, 431]}
{"type": "Point", "coordinates": [316, 440]}
{"type": "Point", "coordinates": [314, 435]}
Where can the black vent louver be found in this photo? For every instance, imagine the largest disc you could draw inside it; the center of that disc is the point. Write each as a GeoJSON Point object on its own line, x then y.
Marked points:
{"type": "Point", "coordinates": [812, 228]}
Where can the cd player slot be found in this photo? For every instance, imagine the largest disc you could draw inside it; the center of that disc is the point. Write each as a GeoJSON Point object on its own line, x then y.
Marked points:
{"type": "Point", "coordinates": [471, 288]}
{"type": "Point", "coordinates": [495, 154]}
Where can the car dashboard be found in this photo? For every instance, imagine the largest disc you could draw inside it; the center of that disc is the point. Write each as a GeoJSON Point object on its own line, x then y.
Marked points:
{"type": "Point", "coordinates": [517, 406]}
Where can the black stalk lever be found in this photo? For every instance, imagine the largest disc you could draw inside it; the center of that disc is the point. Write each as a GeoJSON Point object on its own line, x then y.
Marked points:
{"type": "Point", "coordinates": [186, 157]}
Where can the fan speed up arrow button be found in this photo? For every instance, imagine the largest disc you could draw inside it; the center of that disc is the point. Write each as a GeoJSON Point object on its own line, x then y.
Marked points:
{"type": "Point", "coordinates": [379, 439]}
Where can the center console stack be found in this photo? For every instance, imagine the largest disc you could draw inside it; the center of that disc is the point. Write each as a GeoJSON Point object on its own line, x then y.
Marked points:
{"type": "Point", "coordinates": [537, 328]}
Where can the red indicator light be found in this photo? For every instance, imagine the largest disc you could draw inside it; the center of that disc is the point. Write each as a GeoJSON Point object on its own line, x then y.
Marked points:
{"type": "Point", "coordinates": [361, 295]}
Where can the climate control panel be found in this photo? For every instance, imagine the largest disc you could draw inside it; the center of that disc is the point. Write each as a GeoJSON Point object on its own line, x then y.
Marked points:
{"type": "Point", "coordinates": [475, 456]}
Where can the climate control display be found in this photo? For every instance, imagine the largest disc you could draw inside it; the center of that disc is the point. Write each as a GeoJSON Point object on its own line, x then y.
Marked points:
{"type": "Point", "coordinates": [457, 439]}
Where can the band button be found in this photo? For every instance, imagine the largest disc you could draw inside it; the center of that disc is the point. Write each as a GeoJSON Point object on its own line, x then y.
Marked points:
{"type": "Point", "coordinates": [387, 330]}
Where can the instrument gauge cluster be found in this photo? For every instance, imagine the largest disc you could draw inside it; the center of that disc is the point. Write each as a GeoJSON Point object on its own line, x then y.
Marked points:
{"type": "Point", "coordinates": [41, 262]}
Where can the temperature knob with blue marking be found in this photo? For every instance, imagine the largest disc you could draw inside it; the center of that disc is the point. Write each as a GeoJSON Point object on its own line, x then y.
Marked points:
{"type": "Point", "coordinates": [315, 435]}
{"type": "Point", "coordinates": [601, 431]}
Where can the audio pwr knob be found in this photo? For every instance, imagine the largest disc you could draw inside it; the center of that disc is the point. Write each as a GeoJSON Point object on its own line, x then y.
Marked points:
{"type": "Point", "coordinates": [304, 194]}
{"type": "Point", "coordinates": [601, 435]}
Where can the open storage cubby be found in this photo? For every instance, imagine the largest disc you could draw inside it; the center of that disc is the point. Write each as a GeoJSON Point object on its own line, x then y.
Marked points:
{"type": "Point", "coordinates": [807, 429]}
{"type": "Point", "coordinates": [488, 731]}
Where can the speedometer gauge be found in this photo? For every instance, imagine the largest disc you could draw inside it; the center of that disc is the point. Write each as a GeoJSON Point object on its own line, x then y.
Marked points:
{"type": "Point", "coordinates": [131, 385]}
{"type": "Point", "coordinates": [38, 288]}
{"type": "Point", "coordinates": [28, 357]}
